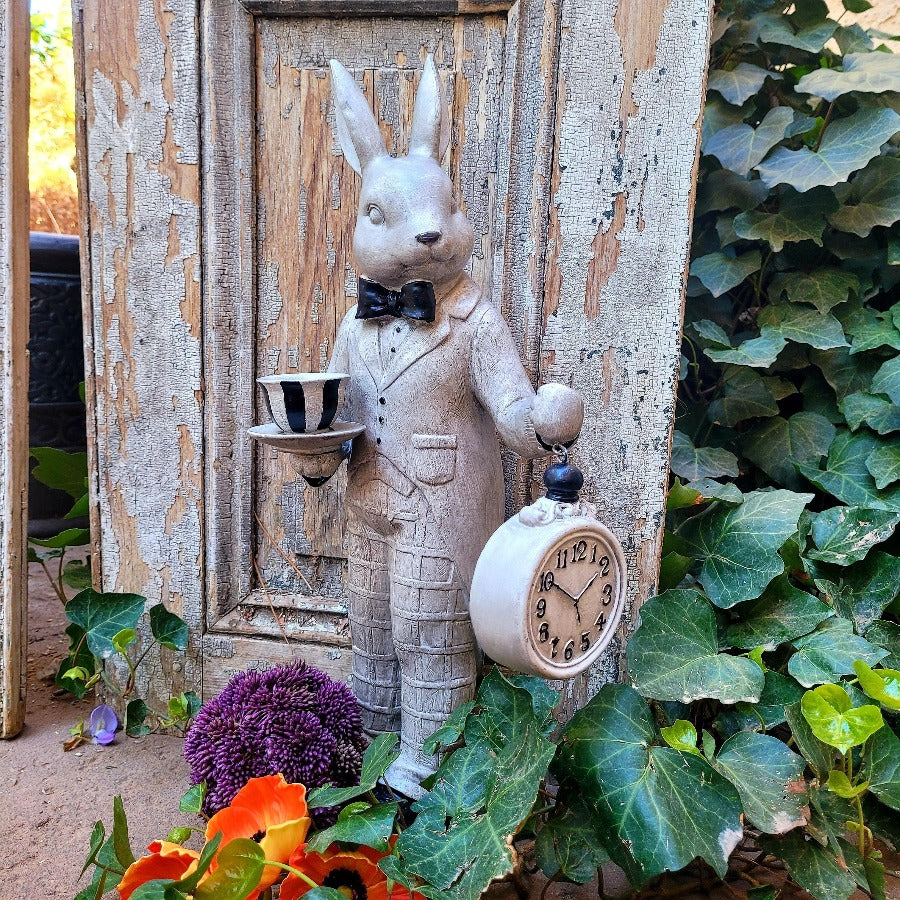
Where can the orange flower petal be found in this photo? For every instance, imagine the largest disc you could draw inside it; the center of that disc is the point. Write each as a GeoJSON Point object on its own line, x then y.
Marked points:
{"type": "Point", "coordinates": [235, 822]}
{"type": "Point", "coordinates": [166, 860]}
{"type": "Point", "coordinates": [275, 799]}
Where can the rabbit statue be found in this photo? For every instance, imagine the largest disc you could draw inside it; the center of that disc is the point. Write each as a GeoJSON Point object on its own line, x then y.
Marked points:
{"type": "Point", "coordinates": [434, 377]}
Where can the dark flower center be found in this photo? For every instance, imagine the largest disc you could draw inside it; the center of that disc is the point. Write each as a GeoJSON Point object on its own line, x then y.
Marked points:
{"type": "Point", "coordinates": [347, 882]}
{"type": "Point", "coordinates": [258, 836]}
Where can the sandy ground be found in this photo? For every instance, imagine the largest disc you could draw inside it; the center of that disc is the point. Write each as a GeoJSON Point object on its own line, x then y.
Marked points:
{"type": "Point", "coordinates": [51, 799]}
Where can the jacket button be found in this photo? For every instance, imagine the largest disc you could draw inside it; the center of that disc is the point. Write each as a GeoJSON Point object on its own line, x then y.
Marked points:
{"type": "Point", "coordinates": [377, 440]}
{"type": "Point", "coordinates": [382, 401]}
{"type": "Point", "coordinates": [381, 420]}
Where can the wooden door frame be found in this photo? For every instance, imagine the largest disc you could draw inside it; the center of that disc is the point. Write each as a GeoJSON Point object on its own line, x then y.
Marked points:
{"type": "Point", "coordinates": [14, 313]}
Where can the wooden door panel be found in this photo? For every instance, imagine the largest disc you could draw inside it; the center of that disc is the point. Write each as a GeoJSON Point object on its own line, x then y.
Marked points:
{"type": "Point", "coordinates": [304, 198]}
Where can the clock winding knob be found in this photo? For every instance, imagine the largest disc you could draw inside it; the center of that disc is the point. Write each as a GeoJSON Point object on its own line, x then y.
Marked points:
{"type": "Point", "coordinates": [563, 481]}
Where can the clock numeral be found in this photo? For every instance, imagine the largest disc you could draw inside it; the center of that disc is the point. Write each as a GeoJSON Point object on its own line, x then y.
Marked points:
{"type": "Point", "coordinates": [553, 645]}
{"type": "Point", "coordinates": [579, 551]}
{"type": "Point", "coordinates": [604, 566]}
{"type": "Point", "coordinates": [547, 581]}
{"type": "Point", "coordinates": [544, 633]}
{"type": "Point", "coordinates": [562, 558]}
{"type": "Point", "coordinates": [585, 641]}
{"type": "Point", "coordinates": [601, 621]}
{"type": "Point", "coordinates": [569, 650]}
{"type": "Point", "coordinates": [607, 594]}
{"type": "Point", "coordinates": [541, 608]}
{"type": "Point", "coordinates": [594, 553]}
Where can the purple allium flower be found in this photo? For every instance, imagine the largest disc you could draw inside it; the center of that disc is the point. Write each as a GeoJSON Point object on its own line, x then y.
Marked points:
{"type": "Point", "coordinates": [103, 724]}
{"type": "Point", "coordinates": [291, 719]}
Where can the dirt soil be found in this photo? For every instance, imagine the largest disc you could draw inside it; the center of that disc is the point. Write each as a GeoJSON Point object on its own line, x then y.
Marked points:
{"type": "Point", "coordinates": [51, 799]}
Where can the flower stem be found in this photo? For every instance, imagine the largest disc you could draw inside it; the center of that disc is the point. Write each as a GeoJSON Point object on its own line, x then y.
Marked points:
{"type": "Point", "coordinates": [301, 875]}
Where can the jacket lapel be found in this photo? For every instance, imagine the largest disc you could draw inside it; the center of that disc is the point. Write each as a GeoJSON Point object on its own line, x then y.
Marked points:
{"type": "Point", "coordinates": [422, 339]}
{"type": "Point", "coordinates": [367, 345]}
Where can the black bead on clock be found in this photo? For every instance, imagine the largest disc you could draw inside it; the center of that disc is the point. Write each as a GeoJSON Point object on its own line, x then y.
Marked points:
{"type": "Point", "coordinates": [563, 481]}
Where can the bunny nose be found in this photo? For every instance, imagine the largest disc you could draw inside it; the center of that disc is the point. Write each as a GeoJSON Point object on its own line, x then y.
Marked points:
{"type": "Point", "coordinates": [428, 237]}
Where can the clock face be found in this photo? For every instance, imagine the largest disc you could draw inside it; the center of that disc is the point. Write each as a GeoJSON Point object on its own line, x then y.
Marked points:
{"type": "Point", "coordinates": [574, 602]}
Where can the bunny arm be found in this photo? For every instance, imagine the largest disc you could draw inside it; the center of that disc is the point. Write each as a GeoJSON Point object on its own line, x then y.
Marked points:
{"type": "Point", "coordinates": [505, 391]}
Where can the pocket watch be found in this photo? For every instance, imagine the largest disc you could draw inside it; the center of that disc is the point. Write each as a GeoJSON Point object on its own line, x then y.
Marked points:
{"type": "Point", "coordinates": [548, 588]}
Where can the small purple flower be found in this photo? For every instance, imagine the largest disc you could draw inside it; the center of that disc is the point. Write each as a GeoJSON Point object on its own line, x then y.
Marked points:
{"type": "Point", "coordinates": [103, 724]}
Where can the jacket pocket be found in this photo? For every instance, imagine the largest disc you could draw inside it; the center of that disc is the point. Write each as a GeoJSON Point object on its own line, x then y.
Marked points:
{"type": "Point", "coordinates": [434, 457]}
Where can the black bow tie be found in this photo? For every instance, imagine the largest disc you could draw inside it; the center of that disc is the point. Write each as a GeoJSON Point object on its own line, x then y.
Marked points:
{"type": "Point", "coordinates": [415, 300]}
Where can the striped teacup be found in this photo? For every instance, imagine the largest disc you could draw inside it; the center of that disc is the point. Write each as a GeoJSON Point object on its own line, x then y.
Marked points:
{"type": "Point", "coordinates": [304, 403]}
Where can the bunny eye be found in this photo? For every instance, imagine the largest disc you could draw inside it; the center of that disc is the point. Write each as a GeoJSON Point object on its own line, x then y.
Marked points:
{"type": "Point", "coordinates": [376, 216]}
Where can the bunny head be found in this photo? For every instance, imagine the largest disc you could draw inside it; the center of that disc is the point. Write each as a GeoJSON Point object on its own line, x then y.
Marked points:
{"type": "Point", "coordinates": [409, 226]}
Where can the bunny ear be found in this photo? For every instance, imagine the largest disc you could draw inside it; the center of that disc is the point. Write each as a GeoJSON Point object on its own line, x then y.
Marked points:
{"type": "Point", "coordinates": [357, 130]}
{"type": "Point", "coordinates": [430, 133]}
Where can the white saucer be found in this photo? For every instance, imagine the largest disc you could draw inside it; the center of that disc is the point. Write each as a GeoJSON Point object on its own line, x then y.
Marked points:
{"type": "Point", "coordinates": [312, 444]}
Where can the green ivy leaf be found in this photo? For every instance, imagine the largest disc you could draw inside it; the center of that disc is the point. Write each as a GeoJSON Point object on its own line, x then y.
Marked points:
{"type": "Point", "coordinates": [818, 754]}
{"type": "Point", "coordinates": [450, 732]}
{"type": "Point", "coordinates": [879, 414]}
{"type": "Point", "coordinates": [846, 476]}
{"type": "Point", "coordinates": [739, 544]}
{"type": "Point", "coordinates": [724, 189]}
{"type": "Point", "coordinates": [718, 114]}
{"type": "Point", "coordinates": [121, 639]}
{"type": "Point", "coordinates": [665, 808]}
{"type": "Point", "coordinates": [803, 325]}
{"type": "Point", "coordinates": [840, 784]}
{"type": "Point", "coordinates": [778, 692]}
{"type": "Point", "coordinates": [745, 395]}
{"type": "Point", "coordinates": [103, 616]}
{"type": "Point", "coordinates": [83, 660]}
{"type": "Point", "coordinates": [719, 273]}
{"type": "Point", "coordinates": [681, 735]}
{"type": "Point", "coordinates": [777, 444]}
{"type": "Point", "coordinates": [569, 842]}
{"type": "Point", "coordinates": [60, 470]}
{"type": "Point", "coordinates": [464, 826]}
{"type": "Point", "coordinates": [378, 756]}
{"type": "Point", "coordinates": [120, 840]}
{"type": "Point", "coordinates": [371, 827]}
{"type": "Point", "coordinates": [882, 685]}
{"type": "Point", "coordinates": [781, 614]}
{"type": "Point", "coordinates": [829, 652]}
{"type": "Point", "coordinates": [887, 380]}
{"type": "Point", "coordinates": [192, 799]}
{"type": "Point", "coordinates": [768, 777]}
{"type": "Point", "coordinates": [886, 635]}
{"type": "Point", "coordinates": [135, 714]}
{"type": "Point", "coordinates": [776, 28]}
{"type": "Point", "coordinates": [863, 591]}
{"type": "Point", "coordinates": [77, 574]}
{"type": "Point", "coordinates": [882, 767]}
{"type": "Point", "coordinates": [870, 329]}
{"type": "Point", "coordinates": [800, 217]}
{"type": "Point", "coordinates": [874, 197]}
{"type": "Point", "coordinates": [863, 73]}
{"type": "Point", "coordinates": [691, 462]}
{"type": "Point", "coordinates": [824, 288]}
{"type": "Point", "coordinates": [811, 866]}
{"type": "Point", "coordinates": [845, 373]}
{"type": "Point", "coordinates": [707, 489]}
{"type": "Point", "coordinates": [845, 534]}
{"type": "Point", "coordinates": [848, 145]}
{"type": "Point", "coordinates": [759, 352]}
{"type": "Point", "coordinates": [169, 629]}
{"type": "Point", "coordinates": [239, 866]}
{"type": "Point", "coordinates": [673, 654]}
{"type": "Point", "coordinates": [740, 147]}
{"type": "Point", "coordinates": [70, 537]}
{"type": "Point", "coordinates": [883, 464]}
{"type": "Point", "coordinates": [829, 712]}
{"type": "Point", "coordinates": [856, 6]}
{"type": "Point", "coordinates": [739, 84]}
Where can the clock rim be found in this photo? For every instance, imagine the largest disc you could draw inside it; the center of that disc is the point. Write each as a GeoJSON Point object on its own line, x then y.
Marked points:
{"type": "Point", "coordinates": [575, 667]}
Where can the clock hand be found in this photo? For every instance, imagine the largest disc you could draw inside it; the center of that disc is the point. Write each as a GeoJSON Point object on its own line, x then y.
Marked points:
{"type": "Point", "coordinates": [587, 586]}
{"type": "Point", "coordinates": [558, 585]}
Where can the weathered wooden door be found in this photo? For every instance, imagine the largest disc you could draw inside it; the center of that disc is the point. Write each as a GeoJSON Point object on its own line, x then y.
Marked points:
{"type": "Point", "coordinates": [220, 251]}
{"type": "Point", "coordinates": [14, 266]}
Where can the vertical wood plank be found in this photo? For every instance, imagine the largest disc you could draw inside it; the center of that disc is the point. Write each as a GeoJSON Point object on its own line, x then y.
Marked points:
{"type": "Point", "coordinates": [140, 148]}
{"type": "Point", "coordinates": [630, 94]}
{"type": "Point", "coordinates": [14, 307]}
